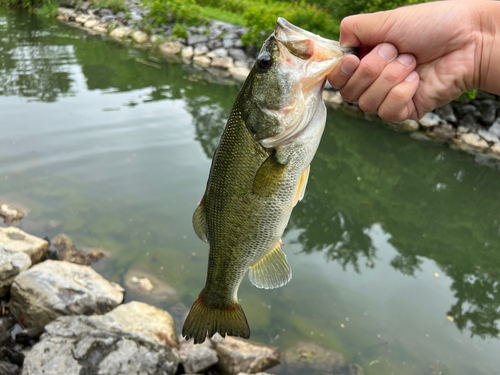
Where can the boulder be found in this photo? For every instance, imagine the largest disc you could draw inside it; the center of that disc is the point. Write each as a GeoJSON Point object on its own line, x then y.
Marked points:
{"type": "Point", "coordinates": [170, 48]}
{"type": "Point", "coordinates": [6, 323]}
{"type": "Point", "coordinates": [430, 119]}
{"type": "Point", "coordinates": [187, 53]}
{"type": "Point", "coordinates": [197, 358]}
{"type": "Point", "coordinates": [202, 61]}
{"type": "Point", "coordinates": [237, 54]}
{"type": "Point", "coordinates": [62, 248]}
{"type": "Point", "coordinates": [196, 39]}
{"type": "Point", "coordinates": [222, 63]}
{"type": "Point", "coordinates": [445, 131]}
{"type": "Point", "coordinates": [487, 136]}
{"type": "Point", "coordinates": [90, 23]}
{"type": "Point", "coordinates": [240, 73]}
{"type": "Point", "coordinates": [135, 338]}
{"type": "Point", "coordinates": [140, 36]}
{"type": "Point", "coordinates": [495, 128]}
{"type": "Point", "coordinates": [15, 240]}
{"type": "Point", "coordinates": [120, 33]}
{"type": "Point", "coordinates": [488, 111]}
{"type": "Point", "coordinates": [219, 52]}
{"type": "Point", "coordinates": [472, 142]}
{"type": "Point", "coordinates": [214, 44]}
{"type": "Point", "coordinates": [82, 18]}
{"type": "Point", "coordinates": [56, 288]}
{"type": "Point", "coordinates": [236, 356]}
{"type": "Point", "coordinates": [10, 215]}
{"type": "Point", "coordinates": [446, 113]}
{"type": "Point", "coordinates": [309, 357]}
{"type": "Point", "coordinates": [200, 49]}
{"type": "Point", "coordinates": [100, 28]}
{"type": "Point", "coordinates": [12, 263]}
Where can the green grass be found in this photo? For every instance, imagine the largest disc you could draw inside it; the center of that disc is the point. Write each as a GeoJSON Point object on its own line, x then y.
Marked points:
{"type": "Point", "coordinates": [222, 15]}
{"type": "Point", "coordinates": [114, 5]}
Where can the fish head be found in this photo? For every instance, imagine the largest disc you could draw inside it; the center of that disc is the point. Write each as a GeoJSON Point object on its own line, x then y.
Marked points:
{"type": "Point", "coordinates": [286, 83]}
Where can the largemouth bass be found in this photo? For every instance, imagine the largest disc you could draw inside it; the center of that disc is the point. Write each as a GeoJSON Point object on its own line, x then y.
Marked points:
{"type": "Point", "coordinates": [259, 172]}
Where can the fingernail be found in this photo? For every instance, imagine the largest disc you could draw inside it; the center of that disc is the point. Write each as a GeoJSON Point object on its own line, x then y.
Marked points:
{"type": "Point", "coordinates": [348, 67]}
{"type": "Point", "coordinates": [387, 51]}
{"type": "Point", "coordinates": [412, 77]}
{"type": "Point", "coordinates": [406, 59]}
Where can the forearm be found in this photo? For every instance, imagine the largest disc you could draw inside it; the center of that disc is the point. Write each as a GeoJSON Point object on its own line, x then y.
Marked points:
{"type": "Point", "coordinates": [488, 76]}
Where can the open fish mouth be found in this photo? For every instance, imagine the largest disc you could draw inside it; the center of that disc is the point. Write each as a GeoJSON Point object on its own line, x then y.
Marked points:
{"type": "Point", "coordinates": [308, 58]}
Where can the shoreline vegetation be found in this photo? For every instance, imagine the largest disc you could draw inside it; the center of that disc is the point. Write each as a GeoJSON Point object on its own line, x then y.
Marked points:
{"type": "Point", "coordinates": [224, 36]}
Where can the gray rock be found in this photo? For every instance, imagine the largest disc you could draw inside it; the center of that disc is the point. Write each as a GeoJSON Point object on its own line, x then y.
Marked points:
{"type": "Point", "coordinates": [55, 288]}
{"type": "Point", "coordinates": [62, 248]}
{"type": "Point", "coordinates": [469, 122]}
{"type": "Point", "coordinates": [446, 113]}
{"type": "Point", "coordinates": [311, 358]}
{"type": "Point", "coordinates": [11, 215]}
{"type": "Point", "coordinates": [196, 39]}
{"type": "Point", "coordinates": [430, 119]}
{"type": "Point", "coordinates": [355, 369]}
{"type": "Point", "coordinates": [231, 36]}
{"type": "Point", "coordinates": [227, 43]}
{"type": "Point", "coordinates": [488, 113]}
{"type": "Point", "coordinates": [135, 17]}
{"type": "Point", "coordinates": [495, 128]}
{"type": "Point", "coordinates": [214, 30]}
{"type": "Point", "coordinates": [7, 368]}
{"type": "Point", "coordinates": [85, 6]}
{"type": "Point", "coordinates": [420, 136]}
{"type": "Point", "coordinates": [236, 356]}
{"type": "Point", "coordinates": [469, 110]}
{"type": "Point", "coordinates": [6, 323]}
{"type": "Point", "coordinates": [120, 16]}
{"type": "Point", "coordinates": [12, 263]}
{"type": "Point", "coordinates": [197, 358]}
{"type": "Point", "coordinates": [472, 142]}
{"type": "Point", "coordinates": [200, 49]}
{"type": "Point", "coordinates": [133, 339]}
{"type": "Point", "coordinates": [197, 29]}
{"type": "Point", "coordinates": [222, 63]}
{"type": "Point", "coordinates": [445, 131]}
{"type": "Point", "coordinates": [214, 44]}
{"type": "Point", "coordinates": [237, 43]}
{"type": "Point", "coordinates": [105, 12]}
{"type": "Point", "coordinates": [219, 52]}
{"type": "Point", "coordinates": [241, 31]}
{"type": "Point", "coordinates": [237, 54]}
{"type": "Point", "coordinates": [14, 239]}
{"type": "Point", "coordinates": [487, 136]}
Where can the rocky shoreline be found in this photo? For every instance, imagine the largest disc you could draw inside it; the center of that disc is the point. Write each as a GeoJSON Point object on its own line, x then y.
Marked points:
{"type": "Point", "coordinates": [59, 316]}
{"type": "Point", "coordinates": [469, 125]}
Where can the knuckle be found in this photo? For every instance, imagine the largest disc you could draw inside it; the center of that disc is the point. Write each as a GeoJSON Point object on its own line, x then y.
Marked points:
{"type": "Point", "coordinates": [348, 96]}
{"type": "Point", "coordinates": [392, 75]}
{"type": "Point", "coordinates": [367, 105]}
{"type": "Point", "coordinates": [369, 71]}
{"type": "Point", "coordinates": [398, 94]}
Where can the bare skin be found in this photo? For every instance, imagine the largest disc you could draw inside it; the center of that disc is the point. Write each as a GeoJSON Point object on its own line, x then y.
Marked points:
{"type": "Point", "coordinates": [417, 58]}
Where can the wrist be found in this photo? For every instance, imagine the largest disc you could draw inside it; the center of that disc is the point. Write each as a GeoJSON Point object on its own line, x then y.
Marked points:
{"type": "Point", "coordinates": [487, 72]}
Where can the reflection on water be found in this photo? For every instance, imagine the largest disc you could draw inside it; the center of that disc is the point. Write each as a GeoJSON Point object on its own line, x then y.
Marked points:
{"type": "Point", "coordinates": [115, 151]}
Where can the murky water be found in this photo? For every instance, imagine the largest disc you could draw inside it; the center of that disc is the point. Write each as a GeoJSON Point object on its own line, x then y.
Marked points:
{"type": "Point", "coordinates": [395, 248]}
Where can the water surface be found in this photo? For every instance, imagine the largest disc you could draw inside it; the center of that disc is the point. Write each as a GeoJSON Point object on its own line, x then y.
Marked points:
{"type": "Point", "coordinates": [394, 249]}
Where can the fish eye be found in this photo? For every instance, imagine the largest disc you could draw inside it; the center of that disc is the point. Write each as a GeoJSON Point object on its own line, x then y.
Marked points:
{"type": "Point", "coordinates": [264, 62]}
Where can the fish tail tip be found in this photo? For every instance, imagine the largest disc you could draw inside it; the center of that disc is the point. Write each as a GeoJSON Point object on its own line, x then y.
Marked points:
{"type": "Point", "coordinates": [204, 320]}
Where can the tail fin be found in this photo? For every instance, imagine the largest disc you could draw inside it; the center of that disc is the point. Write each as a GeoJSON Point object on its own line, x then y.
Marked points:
{"type": "Point", "coordinates": [203, 319]}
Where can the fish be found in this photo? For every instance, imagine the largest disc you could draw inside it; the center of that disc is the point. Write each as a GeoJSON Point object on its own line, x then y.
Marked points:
{"type": "Point", "coordinates": [258, 174]}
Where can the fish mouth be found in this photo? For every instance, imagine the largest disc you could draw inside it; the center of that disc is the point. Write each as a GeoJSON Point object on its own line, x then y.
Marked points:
{"type": "Point", "coordinates": [312, 58]}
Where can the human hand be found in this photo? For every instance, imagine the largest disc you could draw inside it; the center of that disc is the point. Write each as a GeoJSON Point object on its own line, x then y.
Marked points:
{"type": "Point", "coordinates": [413, 59]}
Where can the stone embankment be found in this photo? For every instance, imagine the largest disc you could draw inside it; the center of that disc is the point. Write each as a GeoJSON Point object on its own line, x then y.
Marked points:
{"type": "Point", "coordinates": [472, 126]}
{"type": "Point", "coordinates": [59, 316]}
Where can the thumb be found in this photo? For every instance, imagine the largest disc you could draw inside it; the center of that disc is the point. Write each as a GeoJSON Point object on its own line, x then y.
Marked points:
{"type": "Point", "coordinates": [365, 29]}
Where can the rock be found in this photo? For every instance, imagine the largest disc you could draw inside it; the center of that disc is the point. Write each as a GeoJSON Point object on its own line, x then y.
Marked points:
{"type": "Point", "coordinates": [222, 63]}
{"type": "Point", "coordinates": [135, 17]}
{"type": "Point", "coordinates": [495, 128]}
{"type": "Point", "coordinates": [120, 33]}
{"type": "Point", "coordinates": [487, 136]}
{"type": "Point", "coordinates": [69, 14]}
{"type": "Point", "coordinates": [10, 215]}
{"type": "Point", "coordinates": [105, 12]}
{"type": "Point", "coordinates": [227, 43]}
{"type": "Point", "coordinates": [311, 358]}
{"type": "Point", "coordinates": [62, 248]}
{"type": "Point", "coordinates": [187, 53]}
{"type": "Point", "coordinates": [237, 43]}
{"type": "Point", "coordinates": [214, 44]}
{"type": "Point", "coordinates": [469, 122]}
{"type": "Point", "coordinates": [446, 113]}
{"type": "Point", "coordinates": [200, 49]}
{"type": "Point", "coordinates": [170, 48]}
{"type": "Point", "coordinates": [355, 369]}
{"type": "Point", "coordinates": [85, 6]}
{"type": "Point", "coordinates": [469, 110]}
{"type": "Point", "coordinates": [237, 54]}
{"type": "Point", "coordinates": [135, 338]}
{"type": "Point", "coordinates": [14, 239]}
{"type": "Point", "coordinates": [473, 141]}
{"type": "Point", "coordinates": [82, 18]}
{"type": "Point", "coordinates": [100, 28]}
{"type": "Point", "coordinates": [219, 52]}
{"type": "Point", "coordinates": [90, 23]}
{"type": "Point", "coordinates": [214, 30]}
{"type": "Point", "coordinates": [445, 131]}
{"type": "Point", "coordinates": [488, 113]}
{"type": "Point", "coordinates": [202, 61]}
{"type": "Point", "coordinates": [240, 73]}
{"type": "Point", "coordinates": [495, 149]}
{"type": "Point", "coordinates": [140, 36]}
{"type": "Point", "coordinates": [12, 263]}
{"type": "Point", "coordinates": [420, 136]}
{"type": "Point", "coordinates": [197, 358]}
{"type": "Point", "coordinates": [236, 356]}
{"type": "Point", "coordinates": [120, 16]}
{"type": "Point", "coordinates": [462, 130]}
{"type": "Point", "coordinates": [196, 39]}
{"type": "Point", "coordinates": [232, 35]}
{"type": "Point", "coordinates": [107, 19]}
{"type": "Point", "coordinates": [430, 119]}
{"type": "Point", "coordinates": [55, 288]}
{"type": "Point", "coordinates": [332, 97]}
{"type": "Point", "coordinates": [6, 323]}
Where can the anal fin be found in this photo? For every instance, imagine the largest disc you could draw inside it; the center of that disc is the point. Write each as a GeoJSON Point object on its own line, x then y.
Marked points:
{"type": "Point", "coordinates": [199, 222]}
{"type": "Point", "coordinates": [272, 271]}
{"type": "Point", "coordinates": [301, 188]}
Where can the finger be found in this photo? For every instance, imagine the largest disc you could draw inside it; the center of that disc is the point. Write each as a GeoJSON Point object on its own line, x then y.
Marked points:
{"type": "Point", "coordinates": [370, 67]}
{"type": "Point", "coordinates": [394, 73]}
{"type": "Point", "coordinates": [398, 104]}
{"type": "Point", "coordinates": [367, 29]}
{"type": "Point", "coordinates": [343, 71]}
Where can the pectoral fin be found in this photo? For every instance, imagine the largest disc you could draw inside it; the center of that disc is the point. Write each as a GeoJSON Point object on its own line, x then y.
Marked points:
{"type": "Point", "coordinates": [269, 176]}
{"type": "Point", "coordinates": [301, 188]}
{"type": "Point", "coordinates": [272, 271]}
{"type": "Point", "coordinates": [199, 222]}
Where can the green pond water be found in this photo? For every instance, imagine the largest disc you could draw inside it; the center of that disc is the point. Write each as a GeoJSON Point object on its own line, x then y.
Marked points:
{"type": "Point", "coordinates": [395, 249]}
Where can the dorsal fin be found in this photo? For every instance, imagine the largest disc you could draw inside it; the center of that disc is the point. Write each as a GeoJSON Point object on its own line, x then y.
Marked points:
{"type": "Point", "coordinates": [199, 222]}
{"type": "Point", "coordinates": [272, 271]}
